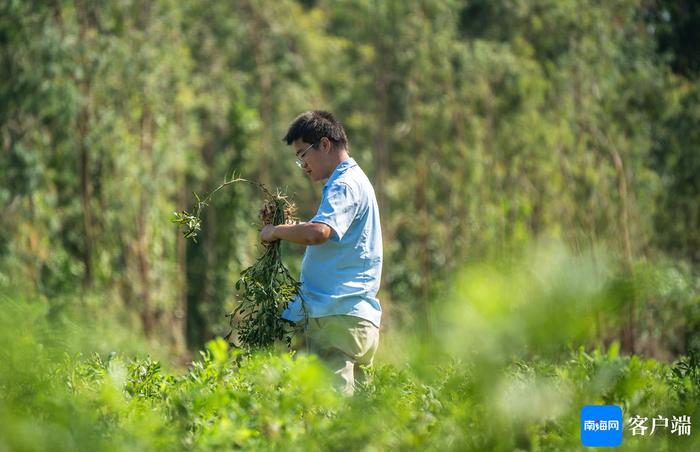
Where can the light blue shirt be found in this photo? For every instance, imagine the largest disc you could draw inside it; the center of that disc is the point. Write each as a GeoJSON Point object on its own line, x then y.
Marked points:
{"type": "Point", "coordinates": [342, 275]}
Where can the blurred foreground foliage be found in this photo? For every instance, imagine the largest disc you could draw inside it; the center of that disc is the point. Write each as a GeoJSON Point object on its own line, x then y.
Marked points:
{"type": "Point", "coordinates": [505, 365]}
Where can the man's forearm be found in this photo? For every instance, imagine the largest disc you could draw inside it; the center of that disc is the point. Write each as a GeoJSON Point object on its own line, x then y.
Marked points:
{"type": "Point", "coordinates": [303, 233]}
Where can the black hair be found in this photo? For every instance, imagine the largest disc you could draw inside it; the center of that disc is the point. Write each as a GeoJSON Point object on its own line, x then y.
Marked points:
{"type": "Point", "coordinates": [311, 126]}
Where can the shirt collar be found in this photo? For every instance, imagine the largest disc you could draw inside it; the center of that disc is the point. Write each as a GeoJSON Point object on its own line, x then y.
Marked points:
{"type": "Point", "coordinates": [340, 169]}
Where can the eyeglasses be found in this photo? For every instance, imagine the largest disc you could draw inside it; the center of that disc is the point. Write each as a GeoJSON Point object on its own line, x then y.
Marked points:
{"type": "Point", "coordinates": [300, 156]}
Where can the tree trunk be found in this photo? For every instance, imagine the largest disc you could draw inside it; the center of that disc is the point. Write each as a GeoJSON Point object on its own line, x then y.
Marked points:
{"type": "Point", "coordinates": [423, 224]}
{"type": "Point", "coordinates": [85, 191]}
{"type": "Point", "coordinates": [381, 138]}
{"type": "Point", "coordinates": [148, 317]}
{"type": "Point", "coordinates": [261, 56]}
{"type": "Point", "coordinates": [85, 22]}
{"type": "Point", "coordinates": [179, 315]}
{"type": "Point", "coordinates": [628, 327]}
{"type": "Point", "coordinates": [627, 332]}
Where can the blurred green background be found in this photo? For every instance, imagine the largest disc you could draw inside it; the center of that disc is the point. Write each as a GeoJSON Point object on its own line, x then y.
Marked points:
{"type": "Point", "coordinates": [484, 126]}
{"type": "Point", "coordinates": [536, 163]}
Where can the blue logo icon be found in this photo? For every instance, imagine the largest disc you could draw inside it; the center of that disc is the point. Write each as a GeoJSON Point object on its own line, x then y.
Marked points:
{"type": "Point", "coordinates": [601, 425]}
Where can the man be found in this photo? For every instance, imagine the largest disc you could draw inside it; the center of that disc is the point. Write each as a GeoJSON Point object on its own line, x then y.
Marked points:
{"type": "Point", "coordinates": [342, 266]}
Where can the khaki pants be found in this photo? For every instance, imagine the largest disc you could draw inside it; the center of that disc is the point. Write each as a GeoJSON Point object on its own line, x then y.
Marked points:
{"type": "Point", "coordinates": [345, 344]}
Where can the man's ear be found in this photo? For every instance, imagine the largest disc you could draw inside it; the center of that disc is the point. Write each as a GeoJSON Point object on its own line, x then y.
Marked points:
{"type": "Point", "coordinates": [326, 144]}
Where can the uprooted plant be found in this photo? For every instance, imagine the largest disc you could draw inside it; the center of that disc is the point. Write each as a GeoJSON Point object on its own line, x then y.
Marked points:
{"type": "Point", "coordinates": [266, 287]}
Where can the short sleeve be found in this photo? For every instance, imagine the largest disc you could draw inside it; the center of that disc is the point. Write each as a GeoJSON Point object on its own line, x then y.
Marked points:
{"type": "Point", "coordinates": [337, 210]}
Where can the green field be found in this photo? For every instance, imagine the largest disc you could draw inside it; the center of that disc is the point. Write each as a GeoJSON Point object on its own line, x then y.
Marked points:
{"type": "Point", "coordinates": [498, 369]}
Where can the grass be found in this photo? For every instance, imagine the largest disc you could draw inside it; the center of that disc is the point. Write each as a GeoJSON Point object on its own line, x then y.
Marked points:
{"type": "Point", "coordinates": [501, 370]}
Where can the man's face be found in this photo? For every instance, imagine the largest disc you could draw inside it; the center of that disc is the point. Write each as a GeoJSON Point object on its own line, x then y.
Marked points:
{"type": "Point", "coordinates": [310, 159]}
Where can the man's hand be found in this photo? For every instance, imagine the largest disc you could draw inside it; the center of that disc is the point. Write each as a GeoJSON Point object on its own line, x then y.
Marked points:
{"type": "Point", "coordinates": [267, 234]}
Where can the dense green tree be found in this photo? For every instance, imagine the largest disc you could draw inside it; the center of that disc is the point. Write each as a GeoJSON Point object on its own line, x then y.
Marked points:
{"type": "Point", "coordinates": [484, 125]}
